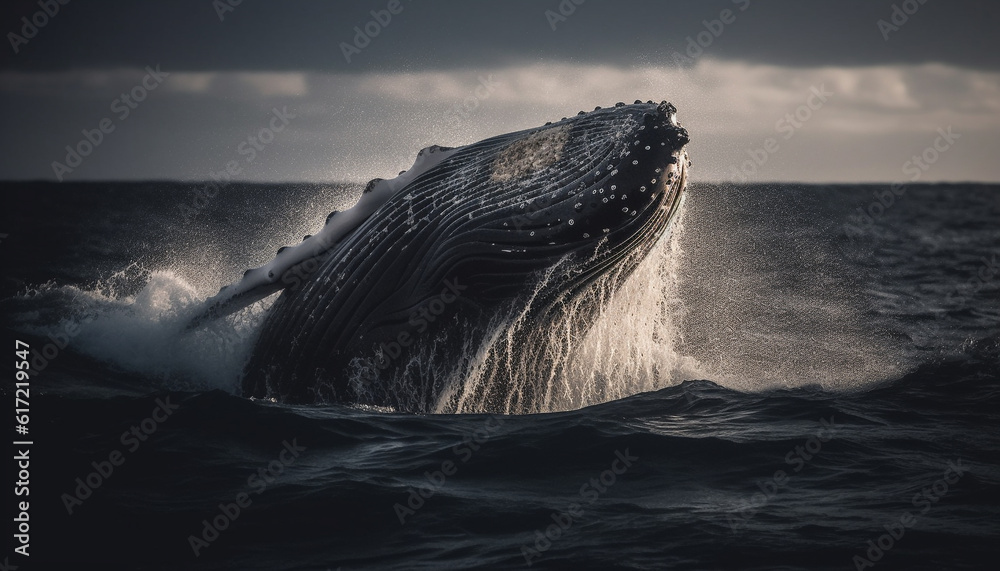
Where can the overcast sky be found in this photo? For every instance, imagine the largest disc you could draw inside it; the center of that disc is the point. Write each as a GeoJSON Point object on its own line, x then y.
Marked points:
{"type": "Point", "coordinates": [770, 90]}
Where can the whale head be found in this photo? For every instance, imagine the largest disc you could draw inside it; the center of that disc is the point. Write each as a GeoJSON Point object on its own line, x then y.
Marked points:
{"type": "Point", "coordinates": [598, 187]}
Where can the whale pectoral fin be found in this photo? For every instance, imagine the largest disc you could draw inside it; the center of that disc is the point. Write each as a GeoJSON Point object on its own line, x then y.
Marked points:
{"type": "Point", "coordinates": [254, 287]}
{"type": "Point", "coordinates": [231, 304]}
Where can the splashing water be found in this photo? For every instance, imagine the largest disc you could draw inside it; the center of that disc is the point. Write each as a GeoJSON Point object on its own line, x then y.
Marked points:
{"type": "Point", "coordinates": [698, 307]}
{"type": "Point", "coordinates": [583, 359]}
{"type": "Point", "coordinates": [143, 333]}
{"type": "Point", "coordinates": [711, 301]}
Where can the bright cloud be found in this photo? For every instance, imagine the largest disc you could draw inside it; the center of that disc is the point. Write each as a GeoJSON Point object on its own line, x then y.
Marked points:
{"type": "Point", "coordinates": [358, 126]}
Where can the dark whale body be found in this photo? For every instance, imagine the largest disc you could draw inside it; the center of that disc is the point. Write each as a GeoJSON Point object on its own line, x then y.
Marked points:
{"type": "Point", "coordinates": [433, 260]}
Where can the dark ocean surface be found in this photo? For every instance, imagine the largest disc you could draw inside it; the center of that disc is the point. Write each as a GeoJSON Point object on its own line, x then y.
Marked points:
{"type": "Point", "coordinates": [826, 396]}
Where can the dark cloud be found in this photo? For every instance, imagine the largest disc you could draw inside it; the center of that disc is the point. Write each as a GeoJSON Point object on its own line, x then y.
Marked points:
{"type": "Point", "coordinates": [307, 35]}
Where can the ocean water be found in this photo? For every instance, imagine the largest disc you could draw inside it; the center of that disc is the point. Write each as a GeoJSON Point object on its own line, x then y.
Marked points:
{"type": "Point", "coordinates": [786, 383]}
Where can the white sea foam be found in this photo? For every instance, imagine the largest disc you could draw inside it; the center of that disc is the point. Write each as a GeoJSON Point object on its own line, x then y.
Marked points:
{"type": "Point", "coordinates": [143, 333]}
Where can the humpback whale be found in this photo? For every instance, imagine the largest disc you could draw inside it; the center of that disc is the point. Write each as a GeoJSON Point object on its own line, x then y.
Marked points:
{"type": "Point", "coordinates": [495, 238]}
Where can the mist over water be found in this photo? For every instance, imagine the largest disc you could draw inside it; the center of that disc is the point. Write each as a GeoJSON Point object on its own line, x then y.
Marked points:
{"type": "Point", "coordinates": [770, 298]}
